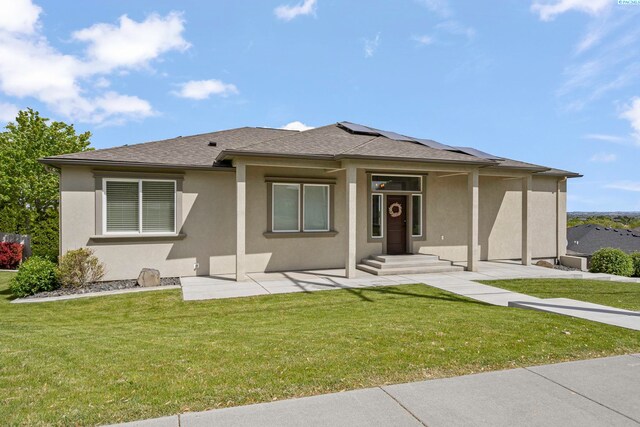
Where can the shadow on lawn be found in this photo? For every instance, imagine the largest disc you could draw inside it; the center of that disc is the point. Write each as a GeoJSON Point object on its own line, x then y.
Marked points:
{"type": "Point", "coordinates": [380, 289]}
{"type": "Point", "coordinates": [6, 294]}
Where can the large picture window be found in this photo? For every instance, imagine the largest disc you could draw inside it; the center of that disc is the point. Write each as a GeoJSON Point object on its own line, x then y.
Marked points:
{"type": "Point", "coordinates": [300, 207]}
{"type": "Point", "coordinates": [139, 206]}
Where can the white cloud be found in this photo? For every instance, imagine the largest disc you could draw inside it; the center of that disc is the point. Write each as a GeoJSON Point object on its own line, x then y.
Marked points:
{"type": "Point", "coordinates": [371, 45]}
{"type": "Point", "coordinates": [456, 28]}
{"type": "Point", "coordinates": [297, 125]}
{"type": "Point", "coordinates": [8, 112]}
{"type": "Point", "coordinates": [440, 7]}
{"type": "Point", "coordinates": [75, 86]}
{"type": "Point", "coordinates": [113, 107]}
{"type": "Point", "coordinates": [604, 137]}
{"type": "Point", "coordinates": [625, 185]}
{"type": "Point", "coordinates": [603, 158]}
{"type": "Point", "coordinates": [203, 89]}
{"type": "Point", "coordinates": [287, 13]}
{"type": "Point", "coordinates": [632, 114]}
{"type": "Point", "coordinates": [547, 11]}
{"type": "Point", "coordinates": [132, 44]}
{"type": "Point", "coordinates": [19, 16]}
{"type": "Point", "coordinates": [422, 40]}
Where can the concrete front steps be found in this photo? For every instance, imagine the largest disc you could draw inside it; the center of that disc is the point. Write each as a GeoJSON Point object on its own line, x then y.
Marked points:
{"type": "Point", "coordinates": [384, 265]}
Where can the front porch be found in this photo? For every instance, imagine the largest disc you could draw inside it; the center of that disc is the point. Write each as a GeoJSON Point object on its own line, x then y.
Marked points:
{"type": "Point", "coordinates": [450, 214]}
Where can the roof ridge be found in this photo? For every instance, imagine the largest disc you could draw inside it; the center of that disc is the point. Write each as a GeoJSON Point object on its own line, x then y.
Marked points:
{"type": "Point", "coordinates": [363, 144]}
{"type": "Point", "coordinates": [282, 137]}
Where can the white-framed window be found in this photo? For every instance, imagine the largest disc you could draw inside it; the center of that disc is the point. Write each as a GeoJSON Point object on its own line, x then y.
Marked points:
{"type": "Point", "coordinates": [139, 206]}
{"type": "Point", "coordinates": [377, 209]}
{"type": "Point", "coordinates": [316, 207]}
{"type": "Point", "coordinates": [416, 215]}
{"type": "Point", "coordinates": [300, 207]}
{"type": "Point", "coordinates": [286, 207]}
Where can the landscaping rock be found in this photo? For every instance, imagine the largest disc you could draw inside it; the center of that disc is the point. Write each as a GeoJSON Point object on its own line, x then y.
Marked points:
{"type": "Point", "coordinates": [149, 277]}
{"type": "Point", "coordinates": [546, 264]}
{"type": "Point", "coordinates": [112, 285]}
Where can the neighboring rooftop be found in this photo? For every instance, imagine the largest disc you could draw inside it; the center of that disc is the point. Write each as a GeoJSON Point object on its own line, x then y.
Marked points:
{"type": "Point", "coordinates": [587, 238]}
{"type": "Point", "coordinates": [333, 142]}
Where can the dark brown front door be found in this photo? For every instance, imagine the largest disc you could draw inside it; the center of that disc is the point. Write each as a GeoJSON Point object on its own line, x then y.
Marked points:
{"type": "Point", "coordinates": [396, 225]}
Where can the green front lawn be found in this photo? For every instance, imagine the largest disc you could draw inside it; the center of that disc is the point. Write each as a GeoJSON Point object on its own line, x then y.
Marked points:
{"type": "Point", "coordinates": [120, 358]}
{"type": "Point", "coordinates": [614, 294]}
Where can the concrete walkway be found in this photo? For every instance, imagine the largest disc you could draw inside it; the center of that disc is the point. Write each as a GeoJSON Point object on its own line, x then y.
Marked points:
{"type": "Point", "coordinates": [587, 393]}
{"type": "Point", "coordinates": [461, 283]}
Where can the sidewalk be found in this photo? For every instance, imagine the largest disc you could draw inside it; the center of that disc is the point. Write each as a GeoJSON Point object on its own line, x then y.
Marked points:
{"type": "Point", "coordinates": [585, 393]}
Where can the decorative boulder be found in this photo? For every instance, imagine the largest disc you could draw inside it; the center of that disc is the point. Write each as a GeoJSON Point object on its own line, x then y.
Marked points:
{"type": "Point", "coordinates": [542, 263]}
{"type": "Point", "coordinates": [149, 277]}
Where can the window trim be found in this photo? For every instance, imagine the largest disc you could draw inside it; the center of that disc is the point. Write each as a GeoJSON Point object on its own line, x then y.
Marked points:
{"type": "Point", "coordinates": [381, 195]}
{"type": "Point", "coordinates": [303, 208]}
{"type": "Point", "coordinates": [420, 177]}
{"type": "Point", "coordinates": [273, 206]}
{"type": "Point", "coordinates": [139, 232]}
{"type": "Point", "coordinates": [419, 195]}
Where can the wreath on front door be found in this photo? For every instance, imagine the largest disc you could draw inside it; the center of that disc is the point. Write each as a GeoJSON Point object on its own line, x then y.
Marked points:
{"type": "Point", "coordinates": [395, 210]}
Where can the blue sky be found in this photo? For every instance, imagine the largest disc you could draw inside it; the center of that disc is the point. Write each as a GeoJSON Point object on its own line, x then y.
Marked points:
{"type": "Point", "coordinates": [553, 82]}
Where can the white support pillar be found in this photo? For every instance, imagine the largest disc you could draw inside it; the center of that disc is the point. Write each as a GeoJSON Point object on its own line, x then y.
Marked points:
{"type": "Point", "coordinates": [351, 201]}
{"type": "Point", "coordinates": [472, 220]}
{"type": "Point", "coordinates": [241, 211]}
{"type": "Point", "coordinates": [526, 215]}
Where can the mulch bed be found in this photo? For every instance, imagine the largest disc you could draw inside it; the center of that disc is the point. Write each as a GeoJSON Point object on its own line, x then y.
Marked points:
{"type": "Point", "coordinates": [102, 287]}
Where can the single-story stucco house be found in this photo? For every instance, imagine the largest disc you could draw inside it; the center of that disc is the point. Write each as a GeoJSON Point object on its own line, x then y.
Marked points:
{"type": "Point", "coordinates": [258, 199]}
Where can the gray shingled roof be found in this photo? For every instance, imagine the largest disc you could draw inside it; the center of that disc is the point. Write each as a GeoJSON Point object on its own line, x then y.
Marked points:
{"type": "Point", "coordinates": [187, 151]}
{"type": "Point", "coordinates": [330, 142]}
{"type": "Point", "coordinates": [587, 238]}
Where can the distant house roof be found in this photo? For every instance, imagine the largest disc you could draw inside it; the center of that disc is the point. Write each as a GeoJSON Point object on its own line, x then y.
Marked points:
{"type": "Point", "coordinates": [343, 140]}
{"type": "Point", "coordinates": [587, 238]}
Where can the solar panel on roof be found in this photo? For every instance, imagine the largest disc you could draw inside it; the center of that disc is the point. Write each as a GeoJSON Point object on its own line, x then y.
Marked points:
{"type": "Point", "coordinates": [358, 128]}
{"type": "Point", "coordinates": [477, 153]}
{"type": "Point", "coordinates": [433, 144]}
{"type": "Point", "coordinates": [365, 130]}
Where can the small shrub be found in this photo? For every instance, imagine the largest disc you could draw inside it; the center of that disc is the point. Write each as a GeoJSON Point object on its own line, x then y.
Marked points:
{"type": "Point", "coordinates": [79, 267]}
{"type": "Point", "coordinates": [635, 257]}
{"type": "Point", "coordinates": [611, 261]}
{"type": "Point", "coordinates": [10, 255]}
{"type": "Point", "coordinates": [34, 275]}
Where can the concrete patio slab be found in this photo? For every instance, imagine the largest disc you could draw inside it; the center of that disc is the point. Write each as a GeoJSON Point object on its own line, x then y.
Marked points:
{"type": "Point", "coordinates": [612, 381]}
{"type": "Point", "coordinates": [505, 398]}
{"type": "Point", "coordinates": [367, 407]}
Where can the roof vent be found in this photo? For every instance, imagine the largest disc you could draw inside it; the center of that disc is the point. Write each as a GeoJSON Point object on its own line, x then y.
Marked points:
{"type": "Point", "coordinates": [213, 144]}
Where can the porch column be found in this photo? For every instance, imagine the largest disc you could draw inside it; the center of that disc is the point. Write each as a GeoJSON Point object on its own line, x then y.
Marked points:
{"type": "Point", "coordinates": [472, 220]}
{"type": "Point", "coordinates": [351, 188]}
{"type": "Point", "coordinates": [241, 201]}
{"type": "Point", "coordinates": [526, 214]}
{"type": "Point", "coordinates": [561, 217]}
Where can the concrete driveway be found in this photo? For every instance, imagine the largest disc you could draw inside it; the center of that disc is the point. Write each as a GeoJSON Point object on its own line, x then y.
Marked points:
{"type": "Point", "coordinates": [586, 393]}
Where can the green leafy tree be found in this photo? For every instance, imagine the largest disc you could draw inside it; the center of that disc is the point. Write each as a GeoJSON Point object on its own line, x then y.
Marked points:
{"type": "Point", "coordinates": [29, 195]}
